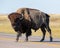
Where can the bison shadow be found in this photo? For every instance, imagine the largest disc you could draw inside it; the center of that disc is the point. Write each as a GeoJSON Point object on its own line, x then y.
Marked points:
{"type": "Point", "coordinates": [44, 41]}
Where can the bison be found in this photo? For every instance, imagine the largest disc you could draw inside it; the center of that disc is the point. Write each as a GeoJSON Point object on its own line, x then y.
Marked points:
{"type": "Point", "coordinates": [25, 19]}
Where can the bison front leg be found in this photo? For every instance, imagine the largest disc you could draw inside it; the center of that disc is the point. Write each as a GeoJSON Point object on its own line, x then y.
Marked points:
{"type": "Point", "coordinates": [26, 38]}
{"type": "Point", "coordinates": [28, 33]}
{"type": "Point", "coordinates": [18, 35]}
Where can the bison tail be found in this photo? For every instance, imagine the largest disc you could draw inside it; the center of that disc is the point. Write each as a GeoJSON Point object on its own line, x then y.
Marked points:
{"type": "Point", "coordinates": [47, 15]}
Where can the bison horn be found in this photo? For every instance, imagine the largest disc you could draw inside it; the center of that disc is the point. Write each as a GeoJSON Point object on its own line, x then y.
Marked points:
{"type": "Point", "coordinates": [21, 18]}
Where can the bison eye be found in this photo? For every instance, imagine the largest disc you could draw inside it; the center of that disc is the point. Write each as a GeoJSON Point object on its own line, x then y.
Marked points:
{"type": "Point", "coordinates": [13, 24]}
{"type": "Point", "coordinates": [16, 20]}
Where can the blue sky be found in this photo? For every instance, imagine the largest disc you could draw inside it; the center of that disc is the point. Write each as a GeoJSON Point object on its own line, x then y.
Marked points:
{"type": "Point", "coordinates": [47, 6]}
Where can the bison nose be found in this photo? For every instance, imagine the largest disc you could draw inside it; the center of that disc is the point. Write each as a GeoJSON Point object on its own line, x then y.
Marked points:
{"type": "Point", "coordinates": [14, 26]}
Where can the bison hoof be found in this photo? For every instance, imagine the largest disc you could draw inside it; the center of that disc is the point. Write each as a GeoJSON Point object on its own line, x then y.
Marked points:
{"type": "Point", "coordinates": [51, 39]}
{"type": "Point", "coordinates": [16, 40]}
{"type": "Point", "coordinates": [41, 40]}
{"type": "Point", "coordinates": [26, 40]}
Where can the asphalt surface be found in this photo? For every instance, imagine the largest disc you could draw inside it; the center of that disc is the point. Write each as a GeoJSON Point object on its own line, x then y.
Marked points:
{"type": "Point", "coordinates": [8, 41]}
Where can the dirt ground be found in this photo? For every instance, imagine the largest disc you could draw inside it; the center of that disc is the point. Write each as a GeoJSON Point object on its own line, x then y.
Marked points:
{"type": "Point", "coordinates": [8, 41]}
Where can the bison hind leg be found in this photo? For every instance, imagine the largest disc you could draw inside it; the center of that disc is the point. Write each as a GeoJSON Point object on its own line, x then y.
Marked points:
{"type": "Point", "coordinates": [49, 30]}
{"type": "Point", "coordinates": [44, 32]}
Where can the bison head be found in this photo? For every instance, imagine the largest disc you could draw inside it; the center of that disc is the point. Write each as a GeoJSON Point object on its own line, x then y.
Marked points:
{"type": "Point", "coordinates": [18, 24]}
{"type": "Point", "coordinates": [15, 18]}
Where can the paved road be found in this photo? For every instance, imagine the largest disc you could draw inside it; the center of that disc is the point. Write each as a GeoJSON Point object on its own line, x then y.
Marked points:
{"type": "Point", "coordinates": [8, 41]}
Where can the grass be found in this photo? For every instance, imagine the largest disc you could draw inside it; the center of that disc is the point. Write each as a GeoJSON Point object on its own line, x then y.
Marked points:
{"type": "Point", "coordinates": [5, 26]}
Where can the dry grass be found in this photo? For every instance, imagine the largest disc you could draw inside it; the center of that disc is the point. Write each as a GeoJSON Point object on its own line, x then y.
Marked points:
{"type": "Point", "coordinates": [5, 26]}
